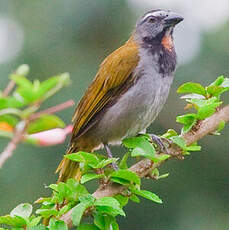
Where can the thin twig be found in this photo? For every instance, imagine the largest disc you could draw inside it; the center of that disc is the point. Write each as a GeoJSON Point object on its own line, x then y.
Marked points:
{"type": "Point", "coordinates": [53, 109]}
{"type": "Point", "coordinates": [18, 136]}
{"type": "Point", "coordinates": [144, 167]}
{"type": "Point", "coordinates": [8, 88]}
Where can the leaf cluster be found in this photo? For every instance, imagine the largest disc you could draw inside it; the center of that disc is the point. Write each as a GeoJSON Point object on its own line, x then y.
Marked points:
{"type": "Point", "coordinates": [205, 100]}
{"type": "Point", "coordinates": [26, 99]}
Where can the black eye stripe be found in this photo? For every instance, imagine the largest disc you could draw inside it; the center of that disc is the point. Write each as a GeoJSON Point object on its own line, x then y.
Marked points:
{"type": "Point", "coordinates": [151, 18]}
{"type": "Point", "coordinates": [147, 19]}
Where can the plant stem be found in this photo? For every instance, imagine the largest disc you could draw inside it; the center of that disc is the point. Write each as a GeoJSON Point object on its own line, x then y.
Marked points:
{"type": "Point", "coordinates": [8, 88]}
{"type": "Point", "coordinates": [53, 109]}
{"type": "Point", "coordinates": [18, 136]}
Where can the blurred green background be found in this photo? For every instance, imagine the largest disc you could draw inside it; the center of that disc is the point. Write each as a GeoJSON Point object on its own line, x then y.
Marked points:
{"type": "Point", "coordinates": [74, 36]}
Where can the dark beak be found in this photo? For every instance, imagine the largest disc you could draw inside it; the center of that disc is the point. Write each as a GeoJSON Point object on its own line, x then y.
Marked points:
{"type": "Point", "coordinates": [172, 19]}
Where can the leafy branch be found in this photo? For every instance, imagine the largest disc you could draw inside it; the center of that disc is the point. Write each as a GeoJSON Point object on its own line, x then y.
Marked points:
{"type": "Point", "coordinates": [18, 109]}
{"type": "Point", "coordinates": [71, 201]}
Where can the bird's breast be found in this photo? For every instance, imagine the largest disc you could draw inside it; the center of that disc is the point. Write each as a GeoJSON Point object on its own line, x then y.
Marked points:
{"type": "Point", "coordinates": [137, 108]}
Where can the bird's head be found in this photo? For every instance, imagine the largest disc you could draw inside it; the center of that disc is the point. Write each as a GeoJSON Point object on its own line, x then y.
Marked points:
{"type": "Point", "coordinates": [156, 27]}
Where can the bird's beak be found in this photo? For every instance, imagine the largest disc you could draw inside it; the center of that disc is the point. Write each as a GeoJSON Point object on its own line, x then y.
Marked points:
{"type": "Point", "coordinates": [172, 19]}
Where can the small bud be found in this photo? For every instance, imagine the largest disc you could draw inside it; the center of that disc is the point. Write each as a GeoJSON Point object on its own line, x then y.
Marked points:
{"type": "Point", "coordinates": [23, 70]}
{"type": "Point", "coordinates": [52, 136]}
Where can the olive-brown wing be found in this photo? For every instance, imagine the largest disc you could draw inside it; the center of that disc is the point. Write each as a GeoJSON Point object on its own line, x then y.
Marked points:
{"type": "Point", "coordinates": [112, 74]}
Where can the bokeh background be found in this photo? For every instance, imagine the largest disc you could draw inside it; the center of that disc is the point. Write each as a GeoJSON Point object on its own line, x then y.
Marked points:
{"type": "Point", "coordinates": [74, 36]}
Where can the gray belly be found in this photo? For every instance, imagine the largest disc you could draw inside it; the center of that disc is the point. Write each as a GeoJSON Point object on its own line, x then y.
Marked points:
{"type": "Point", "coordinates": [135, 110]}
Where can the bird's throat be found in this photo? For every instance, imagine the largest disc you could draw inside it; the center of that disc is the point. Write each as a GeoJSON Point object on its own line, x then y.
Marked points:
{"type": "Point", "coordinates": [167, 42]}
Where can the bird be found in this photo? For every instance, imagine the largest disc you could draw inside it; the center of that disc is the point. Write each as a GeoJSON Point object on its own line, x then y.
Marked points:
{"type": "Point", "coordinates": [128, 92]}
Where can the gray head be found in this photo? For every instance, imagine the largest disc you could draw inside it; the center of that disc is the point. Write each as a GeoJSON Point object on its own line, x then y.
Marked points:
{"type": "Point", "coordinates": [153, 25]}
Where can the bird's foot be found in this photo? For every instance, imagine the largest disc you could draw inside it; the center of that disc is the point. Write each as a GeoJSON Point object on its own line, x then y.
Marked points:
{"type": "Point", "coordinates": [162, 143]}
{"type": "Point", "coordinates": [109, 154]}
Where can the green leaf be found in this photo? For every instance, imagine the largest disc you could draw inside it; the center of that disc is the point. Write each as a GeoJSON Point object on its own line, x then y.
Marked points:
{"type": "Point", "coordinates": [193, 148]}
{"type": "Point", "coordinates": [87, 227]}
{"type": "Point", "coordinates": [148, 195]}
{"type": "Point", "coordinates": [179, 141]}
{"type": "Point", "coordinates": [123, 162]}
{"type": "Point", "coordinates": [103, 222]}
{"type": "Point", "coordinates": [140, 147]}
{"type": "Point", "coordinates": [199, 103]}
{"type": "Point", "coordinates": [63, 191]}
{"type": "Point", "coordinates": [218, 81]}
{"type": "Point", "coordinates": [77, 157]}
{"type": "Point", "coordinates": [191, 87]}
{"type": "Point", "coordinates": [120, 181]}
{"type": "Point", "coordinates": [77, 189]}
{"type": "Point", "coordinates": [187, 118]}
{"type": "Point", "coordinates": [79, 209]}
{"type": "Point", "coordinates": [47, 85]}
{"type": "Point", "coordinates": [78, 212]}
{"type": "Point", "coordinates": [134, 198]}
{"type": "Point", "coordinates": [57, 225]}
{"type": "Point", "coordinates": [69, 191]}
{"type": "Point", "coordinates": [64, 209]}
{"type": "Point", "coordinates": [126, 175]}
{"type": "Point", "coordinates": [115, 226]}
{"type": "Point", "coordinates": [207, 110]}
{"type": "Point", "coordinates": [90, 176]}
{"type": "Point", "coordinates": [22, 81]}
{"type": "Point", "coordinates": [87, 199]}
{"type": "Point", "coordinates": [45, 122]}
{"type": "Point", "coordinates": [10, 102]}
{"type": "Point", "coordinates": [22, 210]}
{"type": "Point", "coordinates": [123, 200]}
{"type": "Point", "coordinates": [15, 221]}
{"type": "Point", "coordinates": [221, 126]}
{"type": "Point", "coordinates": [170, 133]}
{"type": "Point", "coordinates": [163, 176]}
{"type": "Point", "coordinates": [63, 80]}
{"type": "Point", "coordinates": [89, 159]}
{"type": "Point", "coordinates": [105, 162]}
{"type": "Point", "coordinates": [106, 204]}
{"type": "Point", "coordinates": [110, 210]}
{"type": "Point", "coordinates": [99, 221]}
{"type": "Point", "coordinates": [46, 213]}
{"type": "Point", "coordinates": [215, 90]}
{"type": "Point", "coordinates": [35, 221]}
{"type": "Point", "coordinates": [188, 127]}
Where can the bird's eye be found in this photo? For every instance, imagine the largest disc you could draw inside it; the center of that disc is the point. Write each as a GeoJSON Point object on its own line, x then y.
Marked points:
{"type": "Point", "coordinates": [151, 19]}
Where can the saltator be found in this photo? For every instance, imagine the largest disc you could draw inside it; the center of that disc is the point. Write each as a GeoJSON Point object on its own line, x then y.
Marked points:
{"type": "Point", "coordinates": [128, 91]}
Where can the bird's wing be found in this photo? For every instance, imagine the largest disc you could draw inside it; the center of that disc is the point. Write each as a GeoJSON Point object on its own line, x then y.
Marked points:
{"type": "Point", "coordinates": [113, 72]}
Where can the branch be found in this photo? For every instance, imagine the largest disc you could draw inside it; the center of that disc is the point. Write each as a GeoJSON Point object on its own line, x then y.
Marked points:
{"type": "Point", "coordinates": [144, 167]}
{"type": "Point", "coordinates": [8, 88]}
{"type": "Point", "coordinates": [20, 131]}
{"type": "Point", "coordinates": [53, 109]}
{"type": "Point", "coordinates": [18, 136]}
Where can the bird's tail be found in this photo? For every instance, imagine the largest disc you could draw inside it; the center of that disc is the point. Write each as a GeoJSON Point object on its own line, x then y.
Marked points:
{"type": "Point", "coordinates": [70, 169]}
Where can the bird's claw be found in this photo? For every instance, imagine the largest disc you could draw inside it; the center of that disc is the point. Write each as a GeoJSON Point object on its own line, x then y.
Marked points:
{"type": "Point", "coordinates": [109, 154]}
{"type": "Point", "coordinates": [160, 142]}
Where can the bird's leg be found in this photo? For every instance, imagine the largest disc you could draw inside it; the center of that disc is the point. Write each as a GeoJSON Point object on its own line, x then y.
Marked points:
{"type": "Point", "coordinates": [159, 141]}
{"type": "Point", "coordinates": [109, 154]}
